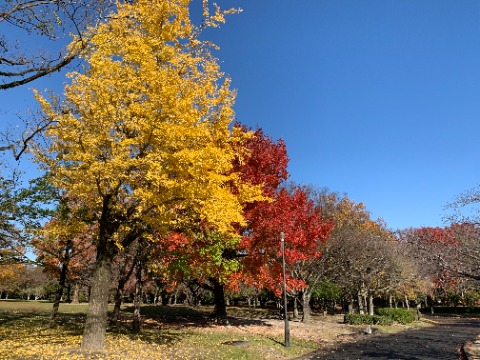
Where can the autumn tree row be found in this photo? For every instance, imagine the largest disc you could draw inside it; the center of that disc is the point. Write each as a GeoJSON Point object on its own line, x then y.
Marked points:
{"type": "Point", "coordinates": [149, 175]}
{"type": "Point", "coordinates": [141, 151]}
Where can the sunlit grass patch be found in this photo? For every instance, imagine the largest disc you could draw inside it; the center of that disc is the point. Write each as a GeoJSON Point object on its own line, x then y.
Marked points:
{"type": "Point", "coordinates": [169, 333]}
{"type": "Point", "coordinates": [41, 343]}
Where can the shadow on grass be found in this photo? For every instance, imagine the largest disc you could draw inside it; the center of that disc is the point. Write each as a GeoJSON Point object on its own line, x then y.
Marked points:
{"type": "Point", "coordinates": [70, 323]}
{"type": "Point", "coordinates": [184, 316]}
{"type": "Point", "coordinates": [161, 325]}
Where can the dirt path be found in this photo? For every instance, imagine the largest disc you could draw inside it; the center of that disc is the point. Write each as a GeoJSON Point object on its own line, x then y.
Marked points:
{"type": "Point", "coordinates": [439, 342]}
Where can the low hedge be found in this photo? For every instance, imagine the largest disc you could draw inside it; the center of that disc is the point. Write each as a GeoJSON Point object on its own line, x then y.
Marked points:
{"type": "Point", "coordinates": [401, 316]}
{"type": "Point", "coordinates": [364, 319]}
{"type": "Point", "coordinates": [383, 316]}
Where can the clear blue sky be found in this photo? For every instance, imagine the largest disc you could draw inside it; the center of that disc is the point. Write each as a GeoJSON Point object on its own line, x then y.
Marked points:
{"type": "Point", "coordinates": [379, 99]}
{"type": "Point", "coordinates": [376, 98]}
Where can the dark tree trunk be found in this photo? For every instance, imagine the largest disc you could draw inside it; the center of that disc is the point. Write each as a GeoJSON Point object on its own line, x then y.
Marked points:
{"type": "Point", "coordinates": [117, 304]}
{"type": "Point", "coordinates": [69, 288]}
{"type": "Point", "coordinates": [137, 302]}
{"type": "Point", "coordinates": [124, 276]}
{"type": "Point", "coordinates": [220, 309]}
{"type": "Point", "coordinates": [61, 283]}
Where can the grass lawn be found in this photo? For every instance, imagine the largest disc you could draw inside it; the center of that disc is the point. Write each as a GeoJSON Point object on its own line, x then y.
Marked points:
{"type": "Point", "coordinates": [172, 332]}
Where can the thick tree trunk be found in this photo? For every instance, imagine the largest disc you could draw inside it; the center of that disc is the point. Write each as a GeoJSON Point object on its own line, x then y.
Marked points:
{"type": "Point", "coordinates": [307, 310]}
{"type": "Point", "coordinates": [390, 301]}
{"type": "Point", "coordinates": [220, 309]}
{"type": "Point", "coordinates": [96, 323]}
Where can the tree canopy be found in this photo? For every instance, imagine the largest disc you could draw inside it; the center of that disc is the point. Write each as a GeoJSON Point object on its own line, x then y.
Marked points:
{"type": "Point", "coordinates": [142, 139]}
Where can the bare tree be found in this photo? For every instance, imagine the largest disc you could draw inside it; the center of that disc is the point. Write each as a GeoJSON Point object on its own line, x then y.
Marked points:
{"type": "Point", "coordinates": [47, 23]}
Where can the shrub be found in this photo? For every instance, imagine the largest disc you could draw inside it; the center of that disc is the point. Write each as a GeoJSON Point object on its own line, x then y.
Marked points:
{"type": "Point", "coordinates": [401, 316]}
{"type": "Point", "coordinates": [364, 319]}
{"type": "Point", "coordinates": [358, 319]}
{"type": "Point", "coordinates": [382, 320]}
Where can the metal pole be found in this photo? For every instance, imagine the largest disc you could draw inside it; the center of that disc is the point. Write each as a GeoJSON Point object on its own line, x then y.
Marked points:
{"type": "Point", "coordinates": [287, 329]}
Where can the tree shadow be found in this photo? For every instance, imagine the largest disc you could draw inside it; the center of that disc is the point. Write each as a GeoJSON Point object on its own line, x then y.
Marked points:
{"type": "Point", "coordinates": [185, 317]}
{"type": "Point", "coordinates": [161, 325]}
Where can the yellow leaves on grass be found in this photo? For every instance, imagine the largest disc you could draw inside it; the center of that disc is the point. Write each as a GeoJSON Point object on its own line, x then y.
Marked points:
{"type": "Point", "coordinates": [31, 342]}
{"type": "Point", "coordinates": [42, 343]}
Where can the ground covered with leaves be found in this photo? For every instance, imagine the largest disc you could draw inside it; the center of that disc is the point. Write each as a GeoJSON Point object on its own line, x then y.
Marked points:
{"type": "Point", "coordinates": [172, 332]}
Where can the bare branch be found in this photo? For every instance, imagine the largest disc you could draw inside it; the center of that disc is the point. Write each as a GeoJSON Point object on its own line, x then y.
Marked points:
{"type": "Point", "coordinates": [47, 20]}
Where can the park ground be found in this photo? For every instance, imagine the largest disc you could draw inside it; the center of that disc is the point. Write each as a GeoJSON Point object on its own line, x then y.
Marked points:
{"type": "Point", "coordinates": [171, 332]}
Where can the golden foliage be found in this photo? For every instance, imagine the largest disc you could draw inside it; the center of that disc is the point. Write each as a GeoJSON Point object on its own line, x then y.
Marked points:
{"type": "Point", "coordinates": [146, 126]}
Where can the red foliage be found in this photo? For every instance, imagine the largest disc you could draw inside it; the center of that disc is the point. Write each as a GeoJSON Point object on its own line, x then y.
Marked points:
{"type": "Point", "coordinates": [304, 228]}
{"type": "Point", "coordinates": [292, 213]}
{"type": "Point", "coordinates": [437, 236]}
{"type": "Point", "coordinates": [266, 162]}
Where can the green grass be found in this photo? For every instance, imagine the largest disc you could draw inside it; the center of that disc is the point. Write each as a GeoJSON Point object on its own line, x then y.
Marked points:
{"type": "Point", "coordinates": [167, 333]}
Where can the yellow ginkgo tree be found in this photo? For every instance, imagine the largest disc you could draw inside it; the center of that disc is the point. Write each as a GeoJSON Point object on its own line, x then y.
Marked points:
{"type": "Point", "coordinates": [142, 137]}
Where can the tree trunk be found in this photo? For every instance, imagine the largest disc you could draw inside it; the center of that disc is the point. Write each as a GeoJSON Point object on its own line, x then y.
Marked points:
{"type": "Point", "coordinates": [76, 292]}
{"type": "Point", "coordinates": [137, 301]}
{"type": "Point", "coordinates": [117, 304]}
{"type": "Point", "coordinates": [96, 323]}
{"type": "Point", "coordinates": [360, 304]}
{"type": "Point", "coordinates": [295, 308]}
{"type": "Point", "coordinates": [307, 310]}
{"type": "Point", "coordinates": [61, 283]}
{"type": "Point", "coordinates": [124, 276]}
{"type": "Point", "coordinates": [220, 309]}
{"type": "Point", "coordinates": [390, 301]}
{"type": "Point", "coordinates": [406, 302]}
{"type": "Point", "coordinates": [69, 288]}
{"type": "Point", "coordinates": [370, 304]}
